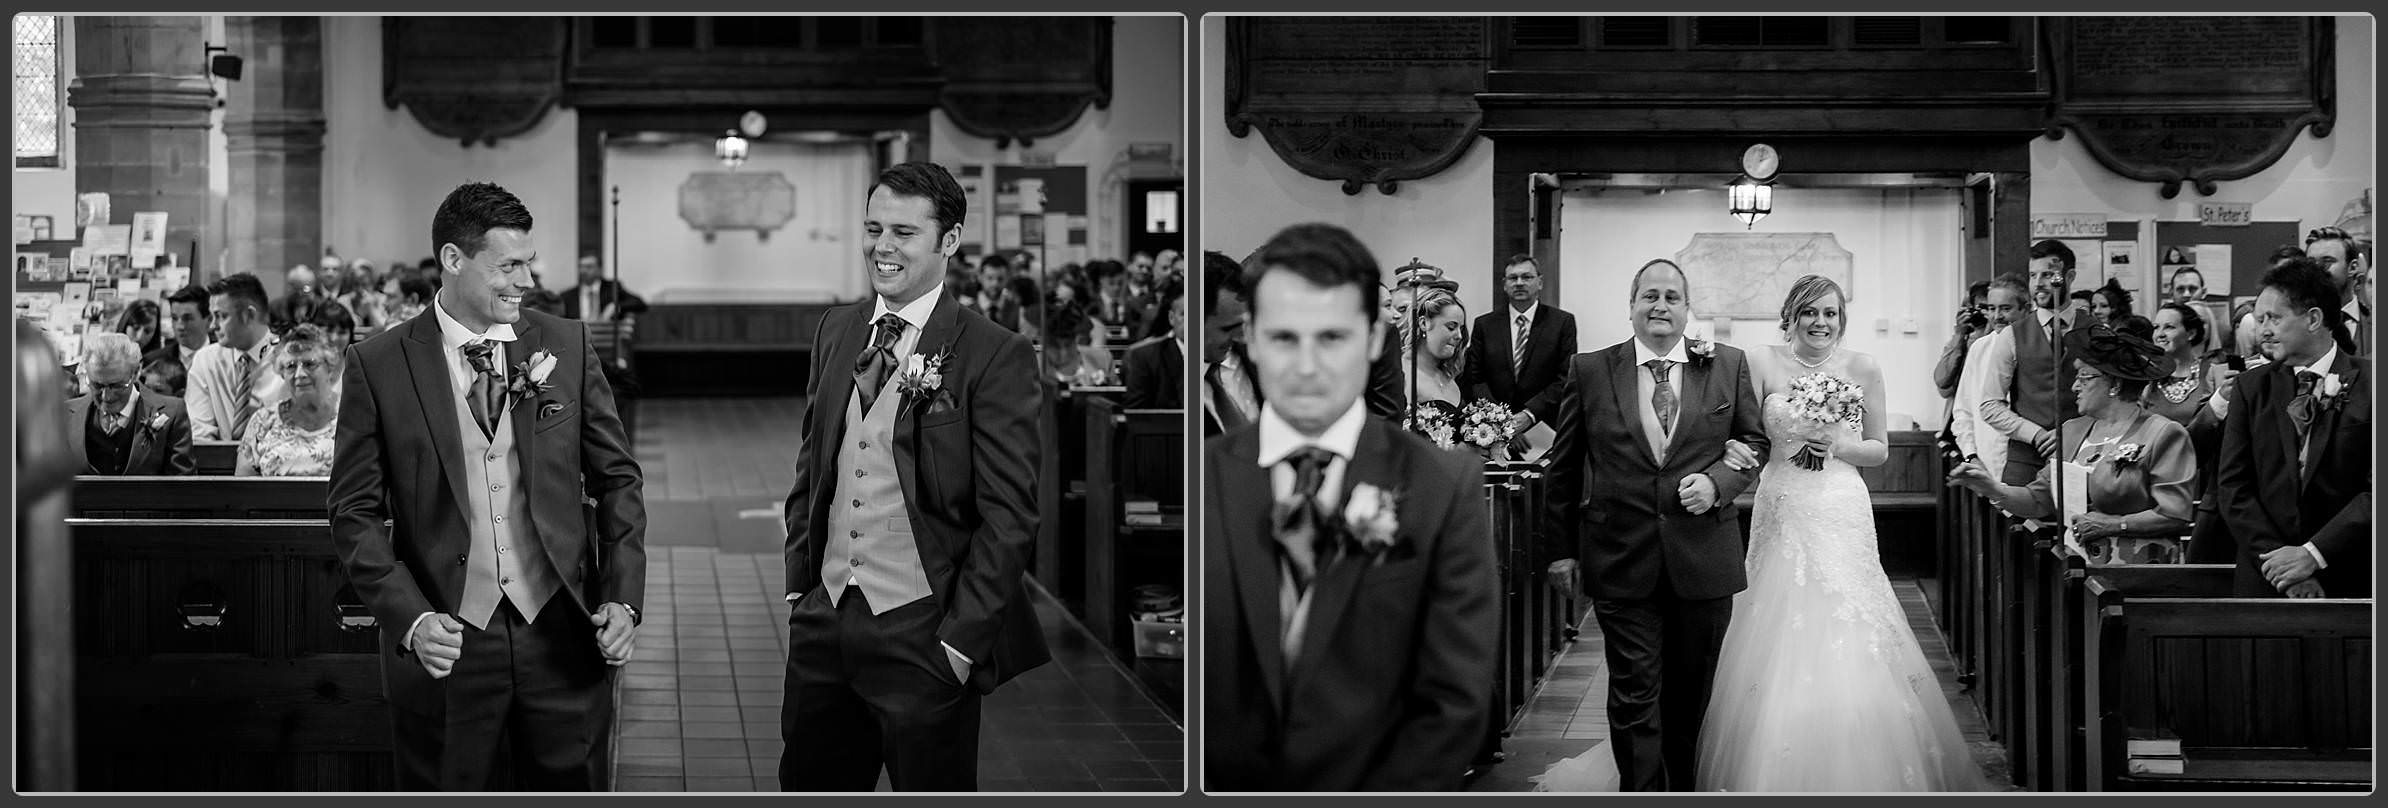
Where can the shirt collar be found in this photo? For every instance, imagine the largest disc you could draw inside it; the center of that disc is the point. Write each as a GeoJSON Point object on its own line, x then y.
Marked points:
{"type": "Point", "coordinates": [915, 313]}
{"type": "Point", "coordinates": [1642, 353]}
{"type": "Point", "coordinates": [131, 401]}
{"type": "Point", "coordinates": [1278, 438]}
{"type": "Point", "coordinates": [1531, 312]}
{"type": "Point", "coordinates": [453, 335]}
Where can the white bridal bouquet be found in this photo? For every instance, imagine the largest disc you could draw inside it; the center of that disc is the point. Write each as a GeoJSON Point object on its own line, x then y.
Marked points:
{"type": "Point", "coordinates": [1824, 399]}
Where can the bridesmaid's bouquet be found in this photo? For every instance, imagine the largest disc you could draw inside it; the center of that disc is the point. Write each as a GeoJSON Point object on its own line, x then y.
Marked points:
{"type": "Point", "coordinates": [1486, 425]}
{"type": "Point", "coordinates": [1435, 424]}
{"type": "Point", "coordinates": [1824, 399]}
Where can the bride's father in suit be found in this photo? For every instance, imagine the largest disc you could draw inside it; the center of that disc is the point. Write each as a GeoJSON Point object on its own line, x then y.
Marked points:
{"type": "Point", "coordinates": [468, 439]}
{"type": "Point", "coordinates": [1350, 599]}
{"type": "Point", "coordinates": [912, 517]}
{"type": "Point", "coordinates": [1643, 517]}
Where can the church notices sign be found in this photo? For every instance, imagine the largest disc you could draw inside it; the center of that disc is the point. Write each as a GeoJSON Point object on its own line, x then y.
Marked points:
{"type": "Point", "coordinates": [2195, 100]}
{"type": "Point", "coordinates": [1361, 100]}
{"type": "Point", "coordinates": [473, 78]}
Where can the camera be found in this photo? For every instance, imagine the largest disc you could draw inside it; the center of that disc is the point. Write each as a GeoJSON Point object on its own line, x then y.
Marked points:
{"type": "Point", "coordinates": [1972, 317]}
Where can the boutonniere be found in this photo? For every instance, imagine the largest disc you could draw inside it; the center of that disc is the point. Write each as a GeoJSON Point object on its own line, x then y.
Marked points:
{"type": "Point", "coordinates": [158, 422]}
{"type": "Point", "coordinates": [923, 378]}
{"type": "Point", "coordinates": [2330, 392]}
{"type": "Point", "coordinates": [1701, 350]}
{"type": "Point", "coordinates": [1370, 521]}
{"type": "Point", "coordinates": [530, 375]}
{"type": "Point", "coordinates": [2126, 454]}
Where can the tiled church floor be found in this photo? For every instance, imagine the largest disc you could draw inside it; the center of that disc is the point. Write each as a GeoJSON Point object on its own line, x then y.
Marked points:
{"type": "Point", "coordinates": [701, 699]}
{"type": "Point", "coordinates": [1569, 714]}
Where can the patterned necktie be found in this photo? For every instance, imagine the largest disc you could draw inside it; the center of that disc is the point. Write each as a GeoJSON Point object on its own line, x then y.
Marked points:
{"type": "Point", "coordinates": [111, 422]}
{"type": "Point", "coordinates": [1302, 535]}
{"type": "Point", "coordinates": [2300, 408]}
{"type": "Point", "coordinates": [247, 401]}
{"type": "Point", "coordinates": [877, 361]}
{"type": "Point", "coordinates": [1662, 400]}
{"type": "Point", "coordinates": [482, 396]}
{"type": "Point", "coordinates": [1517, 349]}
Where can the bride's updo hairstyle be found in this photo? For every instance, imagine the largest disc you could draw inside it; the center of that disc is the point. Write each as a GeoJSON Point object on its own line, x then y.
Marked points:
{"type": "Point", "coordinates": [1809, 289]}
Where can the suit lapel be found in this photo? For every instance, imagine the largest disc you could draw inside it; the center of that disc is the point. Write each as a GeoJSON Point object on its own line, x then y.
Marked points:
{"type": "Point", "coordinates": [2325, 422]}
{"type": "Point", "coordinates": [436, 396]}
{"type": "Point", "coordinates": [937, 337]}
{"type": "Point", "coordinates": [1340, 581]}
{"type": "Point", "coordinates": [78, 424]}
{"type": "Point", "coordinates": [1692, 397]}
{"type": "Point", "coordinates": [140, 437]}
{"type": "Point", "coordinates": [527, 341]}
{"type": "Point", "coordinates": [1626, 386]}
{"type": "Point", "coordinates": [1244, 483]}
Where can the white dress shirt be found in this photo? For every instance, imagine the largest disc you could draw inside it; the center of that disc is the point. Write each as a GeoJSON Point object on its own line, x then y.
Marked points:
{"type": "Point", "coordinates": [1974, 435]}
{"type": "Point", "coordinates": [1996, 410]}
{"type": "Point", "coordinates": [212, 388]}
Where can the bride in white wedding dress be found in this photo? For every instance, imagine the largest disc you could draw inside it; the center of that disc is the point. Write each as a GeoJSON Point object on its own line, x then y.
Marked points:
{"type": "Point", "coordinates": [1820, 685]}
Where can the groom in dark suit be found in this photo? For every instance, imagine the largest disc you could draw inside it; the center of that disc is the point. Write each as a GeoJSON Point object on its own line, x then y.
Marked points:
{"type": "Point", "coordinates": [2296, 450]}
{"type": "Point", "coordinates": [1350, 607]}
{"type": "Point", "coordinates": [913, 515]}
{"type": "Point", "coordinates": [1639, 464]}
{"type": "Point", "coordinates": [468, 439]}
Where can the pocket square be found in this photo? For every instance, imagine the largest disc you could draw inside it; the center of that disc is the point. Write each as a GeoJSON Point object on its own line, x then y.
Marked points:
{"type": "Point", "coordinates": [547, 408]}
{"type": "Point", "coordinates": [942, 403]}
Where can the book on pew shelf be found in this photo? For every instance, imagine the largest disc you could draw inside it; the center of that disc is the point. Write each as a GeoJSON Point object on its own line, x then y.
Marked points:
{"type": "Point", "coordinates": [2157, 742]}
{"type": "Point", "coordinates": [1143, 506]}
{"type": "Point", "coordinates": [2157, 764]}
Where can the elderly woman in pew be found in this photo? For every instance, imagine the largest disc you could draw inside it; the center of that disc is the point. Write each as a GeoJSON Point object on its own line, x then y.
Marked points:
{"type": "Point", "coordinates": [295, 438]}
{"type": "Point", "coordinates": [2142, 473]}
{"type": "Point", "coordinates": [119, 428]}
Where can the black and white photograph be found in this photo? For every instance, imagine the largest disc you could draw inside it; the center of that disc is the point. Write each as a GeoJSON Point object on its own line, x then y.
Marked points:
{"type": "Point", "coordinates": [1695, 404]}
{"type": "Point", "coordinates": [797, 355]}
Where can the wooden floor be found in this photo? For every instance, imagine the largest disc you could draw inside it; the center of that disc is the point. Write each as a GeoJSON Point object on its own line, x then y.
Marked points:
{"type": "Point", "coordinates": [702, 696]}
{"type": "Point", "coordinates": [1569, 714]}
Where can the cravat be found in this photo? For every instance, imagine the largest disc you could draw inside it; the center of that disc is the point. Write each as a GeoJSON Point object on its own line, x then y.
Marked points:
{"type": "Point", "coordinates": [1517, 349]}
{"type": "Point", "coordinates": [2300, 407]}
{"type": "Point", "coordinates": [111, 422]}
{"type": "Point", "coordinates": [247, 402]}
{"type": "Point", "coordinates": [1662, 400]}
{"type": "Point", "coordinates": [878, 360]}
{"type": "Point", "coordinates": [1302, 527]}
{"type": "Point", "coordinates": [482, 395]}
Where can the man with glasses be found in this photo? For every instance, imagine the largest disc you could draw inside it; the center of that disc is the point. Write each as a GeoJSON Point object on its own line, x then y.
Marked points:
{"type": "Point", "coordinates": [124, 430]}
{"type": "Point", "coordinates": [2349, 265]}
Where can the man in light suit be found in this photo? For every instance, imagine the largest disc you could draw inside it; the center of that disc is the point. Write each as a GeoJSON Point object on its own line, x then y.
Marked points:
{"type": "Point", "coordinates": [1642, 506]}
{"type": "Point", "coordinates": [120, 429]}
{"type": "Point", "coordinates": [1350, 596]}
{"type": "Point", "coordinates": [1519, 354]}
{"type": "Point", "coordinates": [469, 437]}
{"type": "Point", "coordinates": [913, 516]}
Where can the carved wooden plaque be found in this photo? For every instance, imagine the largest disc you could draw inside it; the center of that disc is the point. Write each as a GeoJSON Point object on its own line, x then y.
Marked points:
{"type": "Point", "coordinates": [1363, 100]}
{"type": "Point", "coordinates": [1022, 78]}
{"type": "Point", "coordinates": [2193, 100]}
{"type": "Point", "coordinates": [761, 201]}
{"type": "Point", "coordinates": [473, 78]}
{"type": "Point", "coordinates": [1746, 275]}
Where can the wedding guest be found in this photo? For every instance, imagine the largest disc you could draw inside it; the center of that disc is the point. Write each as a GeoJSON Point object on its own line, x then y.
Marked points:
{"type": "Point", "coordinates": [1432, 359]}
{"type": "Point", "coordinates": [164, 377]}
{"type": "Point", "coordinates": [2181, 332]}
{"type": "Point", "coordinates": [1971, 324]}
{"type": "Point", "coordinates": [1023, 306]}
{"type": "Point", "coordinates": [1518, 353]}
{"type": "Point", "coordinates": [338, 327]}
{"type": "Point", "coordinates": [595, 295]}
{"type": "Point", "coordinates": [1231, 394]}
{"type": "Point", "coordinates": [414, 293]}
{"type": "Point", "coordinates": [234, 378]}
{"type": "Point", "coordinates": [294, 439]}
{"type": "Point", "coordinates": [2110, 303]}
{"type": "Point", "coordinates": [364, 298]}
{"type": "Point", "coordinates": [123, 429]}
{"type": "Point", "coordinates": [297, 301]}
{"type": "Point", "coordinates": [2003, 305]}
{"type": "Point", "coordinates": [1069, 358]}
{"type": "Point", "coordinates": [2142, 471]}
{"type": "Point", "coordinates": [1156, 367]}
{"type": "Point", "coordinates": [140, 321]}
{"type": "Point", "coordinates": [2028, 361]}
{"type": "Point", "coordinates": [2338, 253]}
{"type": "Point", "coordinates": [2296, 448]}
{"type": "Point", "coordinates": [186, 310]}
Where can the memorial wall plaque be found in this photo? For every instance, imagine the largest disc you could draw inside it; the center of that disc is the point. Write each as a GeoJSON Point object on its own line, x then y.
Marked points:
{"type": "Point", "coordinates": [713, 201]}
{"type": "Point", "coordinates": [473, 78]}
{"type": "Point", "coordinates": [2193, 100]}
{"type": "Point", "coordinates": [1023, 78]}
{"type": "Point", "coordinates": [1362, 100]}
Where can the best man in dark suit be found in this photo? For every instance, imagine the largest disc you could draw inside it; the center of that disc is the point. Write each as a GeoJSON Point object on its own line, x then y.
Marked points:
{"type": "Point", "coordinates": [1522, 373]}
{"type": "Point", "coordinates": [120, 429]}
{"type": "Point", "coordinates": [2296, 450]}
{"type": "Point", "coordinates": [913, 515]}
{"type": "Point", "coordinates": [1350, 608]}
{"type": "Point", "coordinates": [1642, 503]}
{"type": "Point", "coordinates": [469, 438]}
{"type": "Point", "coordinates": [1231, 394]}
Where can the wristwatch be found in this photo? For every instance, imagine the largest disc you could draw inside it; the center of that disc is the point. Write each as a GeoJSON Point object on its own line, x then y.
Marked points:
{"type": "Point", "coordinates": [632, 610]}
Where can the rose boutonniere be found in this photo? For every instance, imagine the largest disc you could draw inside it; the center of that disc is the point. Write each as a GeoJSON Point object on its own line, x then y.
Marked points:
{"type": "Point", "coordinates": [158, 422]}
{"type": "Point", "coordinates": [2126, 455]}
{"type": "Point", "coordinates": [923, 379]}
{"type": "Point", "coordinates": [1701, 351]}
{"type": "Point", "coordinates": [2330, 391]}
{"type": "Point", "coordinates": [530, 375]}
{"type": "Point", "coordinates": [1370, 520]}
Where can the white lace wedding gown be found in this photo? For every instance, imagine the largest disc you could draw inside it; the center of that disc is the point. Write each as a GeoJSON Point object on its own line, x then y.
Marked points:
{"type": "Point", "coordinates": [1820, 686]}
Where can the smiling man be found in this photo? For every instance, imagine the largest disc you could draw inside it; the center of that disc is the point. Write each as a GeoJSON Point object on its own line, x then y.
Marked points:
{"type": "Point", "coordinates": [468, 439]}
{"type": "Point", "coordinates": [912, 517]}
